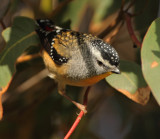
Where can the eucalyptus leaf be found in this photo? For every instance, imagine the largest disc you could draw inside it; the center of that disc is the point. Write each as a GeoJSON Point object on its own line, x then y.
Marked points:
{"type": "Point", "coordinates": [18, 38]}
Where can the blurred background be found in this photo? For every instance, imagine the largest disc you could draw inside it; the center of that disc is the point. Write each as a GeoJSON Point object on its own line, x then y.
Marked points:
{"type": "Point", "coordinates": [32, 106]}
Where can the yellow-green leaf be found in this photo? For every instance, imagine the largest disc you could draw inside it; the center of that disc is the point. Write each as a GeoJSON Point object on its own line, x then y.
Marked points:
{"type": "Point", "coordinates": [150, 56]}
{"type": "Point", "coordinates": [130, 79]}
{"type": "Point", "coordinates": [130, 82]}
{"type": "Point", "coordinates": [19, 37]}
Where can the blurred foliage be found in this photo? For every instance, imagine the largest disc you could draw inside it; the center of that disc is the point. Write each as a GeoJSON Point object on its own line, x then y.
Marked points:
{"type": "Point", "coordinates": [144, 19]}
{"type": "Point", "coordinates": [46, 6]}
{"type": "Point", "coordinates": [32, 106]}
{"type": "Point", "coordinates": [72, 11]}
{"type": "Point", "coordinates": [104, 8]}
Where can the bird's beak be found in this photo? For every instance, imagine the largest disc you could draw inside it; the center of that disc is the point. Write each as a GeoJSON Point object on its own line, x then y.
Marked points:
{"type": "Point", "coordinates": [116, 71]}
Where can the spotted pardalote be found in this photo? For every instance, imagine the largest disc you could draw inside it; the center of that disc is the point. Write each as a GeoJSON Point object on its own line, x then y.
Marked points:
{"type": "Point", "coordinates": [74, 58]}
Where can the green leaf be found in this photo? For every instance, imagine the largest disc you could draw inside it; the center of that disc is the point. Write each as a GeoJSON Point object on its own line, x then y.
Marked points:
{"type": "Point", "coordinates": [130, 78]}
{"type": "Point", "coordinates": [150, 56]}
{"type": "Point", "coordinates": [19, 37]}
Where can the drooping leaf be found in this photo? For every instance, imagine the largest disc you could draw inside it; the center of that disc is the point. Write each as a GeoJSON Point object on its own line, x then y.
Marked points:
{"type": "Point", "coordinates": [19, 37]}
{"type": "Point", "coordinates": [130, 82]}
{"type": "Point", "coordinates": [150, 56]}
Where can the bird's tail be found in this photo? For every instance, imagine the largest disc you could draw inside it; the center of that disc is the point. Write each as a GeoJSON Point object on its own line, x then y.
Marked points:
{"type": "Point", "coordinates": [45, 24]}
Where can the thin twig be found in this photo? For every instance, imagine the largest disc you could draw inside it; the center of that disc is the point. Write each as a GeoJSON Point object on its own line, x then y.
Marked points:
{"type": "Point", "coordinates": [112, 26]}
{"type": "Point", "coordinates": [79, 117]}
{"type": "Point", "coordinates": [122, 5]}
{"type": "Point", "coordinates": [130, 30]}
{"type": "Point", "coordinates": [32, 81]}
{"type": "Point", "coordinates": [130, 5]}
{"type": "Point", "coordinates": [114, 32]}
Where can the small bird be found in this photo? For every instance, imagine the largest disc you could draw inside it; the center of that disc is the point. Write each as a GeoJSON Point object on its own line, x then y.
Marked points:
{"type": "Point", "coordinates": [74, 58]}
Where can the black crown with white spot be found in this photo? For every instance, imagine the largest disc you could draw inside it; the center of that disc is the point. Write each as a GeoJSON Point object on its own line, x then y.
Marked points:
{"type": "Point", "coordinates": [107, 52]}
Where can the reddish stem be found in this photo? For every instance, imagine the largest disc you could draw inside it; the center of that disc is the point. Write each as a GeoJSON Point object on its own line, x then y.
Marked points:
{"type": "Point", "coordinates": [130, 30]}
{"type": "Point", "coordinates": [74, 125]}
{"type": "Point", "coordinates": [79, 117]}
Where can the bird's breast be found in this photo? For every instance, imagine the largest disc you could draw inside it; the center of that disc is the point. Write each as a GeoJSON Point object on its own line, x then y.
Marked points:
{"type": "Point", "coordinates": [89, 81]}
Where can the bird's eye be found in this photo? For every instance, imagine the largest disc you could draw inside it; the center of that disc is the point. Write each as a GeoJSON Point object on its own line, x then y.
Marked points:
{"type": "Point", "coordinates": [100, 63]}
